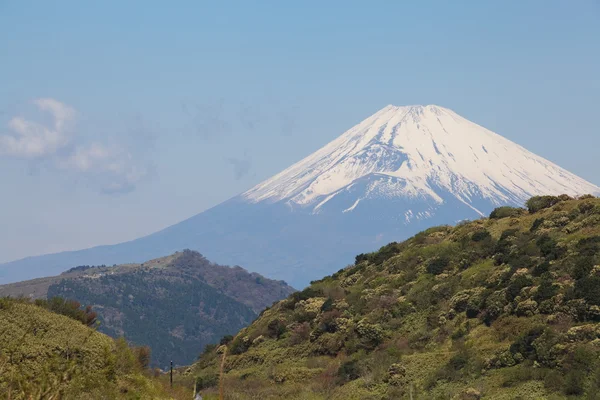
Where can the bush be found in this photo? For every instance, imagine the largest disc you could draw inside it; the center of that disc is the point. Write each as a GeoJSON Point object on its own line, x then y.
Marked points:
{"type": "Point", "coordinates": [276, 328]}
{"type": "Point", "coordinates": [548, 247]}
{"type": "Point", "coordinates": [480, 236]}
{"type": "Point", "coordinates": [225, 340]}
{"type": "Point", "coordinates": [209, 348]}
{"type": "Point", "coordinates": [300, 333]}
{"type": "Point", "coordinates": [541, 269]}
{"type": "Point", "coordinates": [524, 344]}
{"type": "Point", "coordinates": [514, 287]}
{"type": "Point", "coordinates": [587, 288]}
{"type": "Point", "coordinates": [538, 203]}
{"type": "Point", "coordinates": [536, 224]}
{"type": "Point", "coordinates": [438, 265]}
{"type": "Point", "coordinates": [506, 212]}
{"type": "Point", "coordinates": [546, 290]}
{"type": "Point", "coordinates": [142, 354]}
{"type": "Point", "coordinates": [239, 346]}
{"type": "Point", "coordinates": [207, 381]}
{"type": "Point", "coordinates": [574, 383]}
{"type": "Point", "coordinates": [69, 308]}
{"type": "Point", "coordinates": [348, 371]}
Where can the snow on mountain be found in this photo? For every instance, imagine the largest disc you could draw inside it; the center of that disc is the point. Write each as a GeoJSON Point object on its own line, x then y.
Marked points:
{"type": "Point", "coordinates": [400, 171]}
{"type": "Point", "coordinates": [424, 147]}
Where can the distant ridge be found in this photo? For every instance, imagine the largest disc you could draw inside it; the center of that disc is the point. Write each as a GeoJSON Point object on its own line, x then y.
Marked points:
{"type": "Point", "coordinates": [399, 171]}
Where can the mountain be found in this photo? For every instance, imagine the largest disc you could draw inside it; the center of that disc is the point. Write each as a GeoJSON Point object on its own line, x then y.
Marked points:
{"type": "Point", "coordinates": [399, 171]}
{"type": "Point", "coordinates": [45, 355]}
{"type": "Point", "coordinates": [500, 308]}
{"type": "Point", "coordinates": [175, 305]}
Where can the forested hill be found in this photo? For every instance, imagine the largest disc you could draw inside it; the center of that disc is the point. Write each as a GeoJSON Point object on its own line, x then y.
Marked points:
{"type": "Point", "coordinates": [175, 304]}
{"type": "Point", "coordinates": [501, 308]}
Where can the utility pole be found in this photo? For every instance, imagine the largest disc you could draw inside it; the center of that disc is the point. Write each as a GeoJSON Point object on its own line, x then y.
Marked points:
{"type": "Point", "coordinates": [171, 374]}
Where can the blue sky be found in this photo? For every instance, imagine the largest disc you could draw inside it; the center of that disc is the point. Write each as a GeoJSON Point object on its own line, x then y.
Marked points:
{"type": "Point", "coordinates": [151, 113]}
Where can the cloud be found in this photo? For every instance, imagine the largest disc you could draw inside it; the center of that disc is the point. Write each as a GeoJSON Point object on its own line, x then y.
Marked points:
{"type": "Point", "coordinates": [34, 140]}
{"type": "Point", "coordinates": [111, 166]}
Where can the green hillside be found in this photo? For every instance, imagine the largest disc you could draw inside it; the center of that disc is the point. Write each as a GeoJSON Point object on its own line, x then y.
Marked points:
{"type": "Point", "coordinates": [175, 304]}
{"type": "Point", "coordinates": [44, 355]}
{"type": "Point", "coordinates": [499, 308]}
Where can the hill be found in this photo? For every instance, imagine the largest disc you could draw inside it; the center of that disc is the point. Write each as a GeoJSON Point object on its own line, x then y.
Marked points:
{"type": "Point", "coordinates": [506, 307]}
{"type": "Point", "coordinates": [175, 304]}
{"type": "Point", "coordinates": [399, 171]}
{"type": "Point", "coordinates": [44, 355]}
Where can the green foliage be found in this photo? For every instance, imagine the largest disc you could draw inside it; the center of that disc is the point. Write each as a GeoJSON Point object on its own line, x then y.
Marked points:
{"type": "Point", "coordinates": [547, 289]}
{"type": "Point", "coordinates": [536, 224]}
{"type": "Point", "coordinates": [69, 308]}
{"type": "Point", "coordinates": [239, 345]}
{"type": "Point", "coordinates": [348, 371]}
{"type": "Point", "coordinates": [437, 265]}
{"type": "Point", "coordinates": [46, 355]}
{"type": "Point", "coordinates": [539, 203]}
{"type": "Point", "coordinates": [495, 308]}
{"type": "Point", "coordinates": [225, 340]}
{"type": "Point", "coordinates": [142, 301]}
{"type": "Point", "coordinates": [175, 305]}
{"type": "Point", "coordinates": [276, 328]}
{"type": "Point", "coordinates": [587, 288]}
{"type": "Point", "coordinates": [480, 236]}
{"type": "Point", "coordinates": [506, 212]}
{"type": "Point", "coordinates": [517, 283]}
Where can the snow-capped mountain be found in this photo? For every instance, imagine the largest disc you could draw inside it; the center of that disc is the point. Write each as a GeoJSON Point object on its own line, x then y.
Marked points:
{"type": "Point", "coordinates": [398, 172]}
{"type": "Point", "coordinates": [412, 152]}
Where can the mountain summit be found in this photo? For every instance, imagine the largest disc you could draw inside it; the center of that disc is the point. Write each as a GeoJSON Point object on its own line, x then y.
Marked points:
{"type": "Point", "coordinates": [396, 173]}
{"type": "Point", "coordinates": [418, 152]}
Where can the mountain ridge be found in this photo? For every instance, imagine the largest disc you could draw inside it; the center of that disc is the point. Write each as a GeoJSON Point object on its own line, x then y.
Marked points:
{"type": "Point", "coordinates": [382, 180]}
{"type": "Point", "coordinates": [175, 304]}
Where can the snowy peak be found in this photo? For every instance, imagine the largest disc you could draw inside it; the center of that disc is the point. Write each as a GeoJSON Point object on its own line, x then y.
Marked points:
{"type": "Point", "coordinates": [430, 151]}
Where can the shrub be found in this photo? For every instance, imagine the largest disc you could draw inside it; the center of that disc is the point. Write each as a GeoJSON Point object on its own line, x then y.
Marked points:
{"type": "Point", "coordinates": [209, 348]}
{"type": "Point", "coordinates": [142, 354]}
{"type": "Point", "coordinates": [541, 269]}
{"type": "Point", "coordinates": [587, 288]}
{"type": "Point", "coordinates": [538, 203]}
{"type": "Point", "coordinates": [348, 371]}
{"type": "Point", "coordinates": [506, 212]}
{"type": "Point", "coordinates": [524, 344]}
{"type": "Point", "coordinates": [574, 383]}
{"type": "Point", "coordinates": [546, 290]}
{"type": "Point", "coordinates": [206, 381]}
{"type": "Point", "coordinates": [548, 247]}
{"type": "Point", "coordinates": [69, 308]}
{"type": "Point", "coordinates": [239, 346]}
{"type": "Point", "coordinates": [300, 333]}
{"type": "Point", "coordinates": [536, 224]}
{"type": "Point", "coordinates": [328, 305]}
{"type": "Point", "coordinates": [480, 236]}
{"type": "Point", "coordinates": [514, 287]}
{"type": "Point", "coordinates": [437, 265]}
{"type": "Point", "coordinates": [276, 328]}
{"type": "Point", "coordinates": [225, 340]}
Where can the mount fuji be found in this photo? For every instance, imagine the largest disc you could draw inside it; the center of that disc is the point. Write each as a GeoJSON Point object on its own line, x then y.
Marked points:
{"type": "Point", "coordinates": [399, 171]}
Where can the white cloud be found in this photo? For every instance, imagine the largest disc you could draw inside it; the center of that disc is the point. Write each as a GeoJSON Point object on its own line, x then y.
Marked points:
{"type": "Point", "coordinates": [113, 167]}
{"type": "Point", "coordinates": [34, 140]}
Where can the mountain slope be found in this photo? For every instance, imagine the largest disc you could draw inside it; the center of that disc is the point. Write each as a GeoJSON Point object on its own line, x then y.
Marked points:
{"type": "Point", "coordinates": [418, 151]}
{"type": "Point", "coordinates": [44, 355]}
{"type": "Point", "coordinates": [398, 172]}
{"type": "Point", "coordinates": [499, 308]}
{"type": "Point", "coordinates": [175, 304]}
